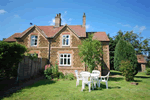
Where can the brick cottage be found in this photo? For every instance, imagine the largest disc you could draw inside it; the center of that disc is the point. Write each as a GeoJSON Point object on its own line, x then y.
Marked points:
{"type": "Point", "coordinates": [60, 43]}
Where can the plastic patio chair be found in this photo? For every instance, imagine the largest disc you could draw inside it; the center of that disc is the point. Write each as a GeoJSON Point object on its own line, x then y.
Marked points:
{"type": "Point", "coordinates": [95, 79]}
{"type": "Point", "coordinates": [85, 77]}
{"type": "Point", "coordinates": [104, 79]}
{"type": "Point", "coordinates": [78, 77]}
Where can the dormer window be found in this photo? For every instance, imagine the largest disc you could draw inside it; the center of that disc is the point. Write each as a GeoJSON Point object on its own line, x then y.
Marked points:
{"type": "Point", "coordinates": [34, 40]}
{"type": "Point", "coordinates": [66, 40]}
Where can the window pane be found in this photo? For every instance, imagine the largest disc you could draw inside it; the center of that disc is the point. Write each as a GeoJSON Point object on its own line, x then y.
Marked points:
{"type": "Point", "coordinates": [32, 36]}
{"type": "Point", "coordinates": [61, 61]}
{"type": "Point", "coordinates": [61, 55]}
{"type": "Point", "coordinates": [65, 55]}
{"type": "Point", "coordinates": [36, 37]}
{"type": "Point", "coordinates": [68, 61]}
{"type": "Point", "coordinates": [64, 61]}
{"type": "Point", "coordinates": [64, 42]}
{"type": "Point", "coordinates": [68, 55]}
{"type": "Point", "coordinates": [67, 36]}
{"type": "Point", "coordinates": [67, 41]}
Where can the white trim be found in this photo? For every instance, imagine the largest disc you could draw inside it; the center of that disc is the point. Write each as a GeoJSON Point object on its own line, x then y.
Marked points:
{"type": "Point", "coordinates": [63, 59]}
{"type": "Point", "coordinates": [64, 46]}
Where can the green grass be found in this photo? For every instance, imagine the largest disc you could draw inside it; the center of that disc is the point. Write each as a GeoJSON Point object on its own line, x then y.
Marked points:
{"type": "Point", "coordinates": [67, 90]}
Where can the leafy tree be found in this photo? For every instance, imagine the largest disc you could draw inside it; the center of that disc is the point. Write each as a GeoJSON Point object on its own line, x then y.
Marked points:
{"type": "Point", "coordinates": [91, 52]}
{"type": "Point", "coordinates": [140, 45]}
{"type": "Point", "coordinates": [125, 51]}
{"type": "Point", "coordinates": [10, 55]}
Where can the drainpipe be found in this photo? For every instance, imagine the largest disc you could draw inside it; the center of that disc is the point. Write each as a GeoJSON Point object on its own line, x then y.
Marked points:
{"type": "Point", "coordinates": [49, 52]}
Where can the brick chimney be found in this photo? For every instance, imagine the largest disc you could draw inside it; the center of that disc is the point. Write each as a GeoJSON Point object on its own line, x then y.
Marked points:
{"type": "Point", "coordinates": [58, 20]}
{"type": "Point", "coordinates": [84, 20]}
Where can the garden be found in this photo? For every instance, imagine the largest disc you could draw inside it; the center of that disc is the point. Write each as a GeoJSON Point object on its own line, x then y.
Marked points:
{"type": "Point", "coordinates": [64, 89]}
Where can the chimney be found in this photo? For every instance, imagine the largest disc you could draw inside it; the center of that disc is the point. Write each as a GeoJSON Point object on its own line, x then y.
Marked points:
{"type": "Point", "coordinates": [84, 20]}
{"type": "Point", "coordinates": [58, 20]}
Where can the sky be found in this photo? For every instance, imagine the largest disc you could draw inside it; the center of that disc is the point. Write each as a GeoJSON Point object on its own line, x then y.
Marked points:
{"type": "Point", "coordinates": [108, 16]}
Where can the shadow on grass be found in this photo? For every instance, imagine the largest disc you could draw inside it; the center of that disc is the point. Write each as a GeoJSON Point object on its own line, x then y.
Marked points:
{"type": "Point", "coordinates": [115, 79]}
{"type": "Point", "coordinates": [115, 73]}
{"type": "Point", "coordinates": [36, 84]}
{"type": "Point", "coordinates": [141, 77]}
{"type": "Point", "coordinates": [103, 86]}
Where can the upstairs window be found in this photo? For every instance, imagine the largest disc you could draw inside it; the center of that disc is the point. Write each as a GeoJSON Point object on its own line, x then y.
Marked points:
{"type": "Point", "coordinates": [34, 40]}
{"type": "Point", "coordinates": [66, 40]}
{"type": "Point", "coordinates": [65, 60]}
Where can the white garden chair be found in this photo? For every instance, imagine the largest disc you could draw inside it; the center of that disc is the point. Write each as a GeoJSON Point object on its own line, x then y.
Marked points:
{"type": "Point", "coordinates": [78, 77]}
{"type": "Point", "coordinates": [104, 79]}
{"type": "Point", "coordinates": [95, 78]}
{"type": "Point", "coordinates": [85, 80]}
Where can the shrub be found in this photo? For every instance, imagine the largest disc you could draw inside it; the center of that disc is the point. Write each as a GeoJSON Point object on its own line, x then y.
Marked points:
{"type": "Point", "coordinates": [48, 73]}
{"type": "Point", "coordinates": [69, 76]}
{"type": "Point", "coordinates": [9, 51]}
{"type": "Point", "coordinates": [125, 51]}
{"type": "Point", "coordinates": [61, 75]}
{"type": "Point", "coordinates": [147, 71]}
{"type": "Point", "coordinates": [127, 70]}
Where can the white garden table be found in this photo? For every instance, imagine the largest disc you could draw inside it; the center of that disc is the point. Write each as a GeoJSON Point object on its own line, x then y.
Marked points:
{"type": "Point", "coordinates": [93, 77]}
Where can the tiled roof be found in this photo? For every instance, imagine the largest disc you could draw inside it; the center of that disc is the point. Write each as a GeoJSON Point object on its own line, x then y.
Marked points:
{"type": "Point", "coordinates": [50, 31]}
{"type": "Point", "coordinates": [101, 36]}
{"type": "Point", "coordinates": [141, 59]}
{"type": "Point", "coordinates": [12, 38]}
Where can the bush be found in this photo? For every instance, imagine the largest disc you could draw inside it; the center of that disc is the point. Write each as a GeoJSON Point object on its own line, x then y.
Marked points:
{"type": "Point", "coordinates": [48, 73]}
{"type": "Point", "coordinates": [125, 51]}
{"type": "Point", "coordinates": [147, 71]}
{"type": "Point", "coordinates": [61, 75]}
{"type": "Point", "coordinates": [69, 76]}
{"type": "Point", "coordinates": [9, 51]}
{"type": "Point", "coordinates": [127, 70]}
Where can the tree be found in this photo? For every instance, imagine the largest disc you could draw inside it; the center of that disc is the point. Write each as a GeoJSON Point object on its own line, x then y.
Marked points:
{"type": "Point", "coordinates": [140, 45]}
{"type": "Point", "coordinates": [91, 52]}
{"type": "Point", "coordinates": [10, 55]}
{"type": "Point", "coordinates": [125, 51]}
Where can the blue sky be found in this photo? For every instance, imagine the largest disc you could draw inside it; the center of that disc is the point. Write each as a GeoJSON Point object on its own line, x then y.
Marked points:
{"type": "Point", "coordinates": [101, 15]}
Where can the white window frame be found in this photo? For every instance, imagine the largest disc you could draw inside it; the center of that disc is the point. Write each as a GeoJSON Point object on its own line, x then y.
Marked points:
{"type": "Point", "coordinates": [33, 40]}
{"type": "Point", "coordinates": [63, 59]}
{"type": "Point", "coordinates": [65, 40]}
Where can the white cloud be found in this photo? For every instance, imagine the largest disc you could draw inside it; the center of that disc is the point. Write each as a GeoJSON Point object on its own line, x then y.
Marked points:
{"type": "Point", "coordinates": [126, 25]}
{"type": "Point", "coordinates": [16, 16]}
{"type": "Point", "coordinates": [70, 19]}
{"type": "Point", "coordinates": [87, 26]}
{"type": "Point", "coordinates": [2, 11]}
{"type": "Point", "coordinates": [52, 22]}
{"type": "Point", "coordinates": [64, 20]}
{"type": "Point", "coordinates": [139, 29]}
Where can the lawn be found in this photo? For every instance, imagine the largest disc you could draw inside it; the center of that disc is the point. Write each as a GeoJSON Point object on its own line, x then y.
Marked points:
{"type": "Point", "coordinates": [66, 90]}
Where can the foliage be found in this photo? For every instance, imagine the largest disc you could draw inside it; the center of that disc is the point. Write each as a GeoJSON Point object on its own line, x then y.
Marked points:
{"type": "Point", "coordinates": [147, 71]}
{"type": "Point", "coordinates": [48, 73]}
{"type": "Point", "coordinates": [69, 76]}
{"type": "Point", "coordinates": [51, 71]}
{"type": "Point", "coordinates": [61, 75]}
{"type": "Point", "coordinates": [139, 44]}
{"type": "Point", "coordinates": [148, 64]}
{"type": "Point", "coordinates": [91, 52]}
{"type": "Point", "coordinates": [34, 56]}
{"type": "Point", "coordinates": [125, 51]}
{"type": "Point", "coordinates": [10, 56]}
{"type": "Point", "coordinates": [127, 70]}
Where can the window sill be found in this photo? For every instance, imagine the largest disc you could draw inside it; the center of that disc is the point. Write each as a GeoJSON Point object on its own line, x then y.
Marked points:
{"type": "Point", "coordinates": [65, 65]}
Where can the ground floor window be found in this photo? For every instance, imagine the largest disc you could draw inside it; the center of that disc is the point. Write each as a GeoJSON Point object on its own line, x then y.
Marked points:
{"type": "Point", "coordinates": [65, 60]}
